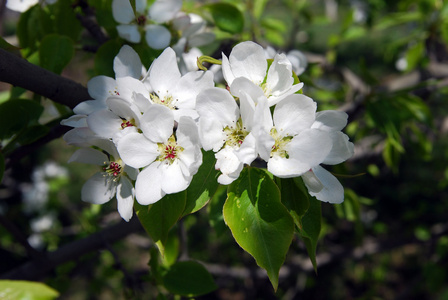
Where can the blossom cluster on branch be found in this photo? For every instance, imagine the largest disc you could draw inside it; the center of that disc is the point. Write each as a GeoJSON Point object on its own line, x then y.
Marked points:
{"type": "Point", "coordinates": [147, 128]}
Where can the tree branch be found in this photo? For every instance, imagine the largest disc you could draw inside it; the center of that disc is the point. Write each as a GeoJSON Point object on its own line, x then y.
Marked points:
{"type": "Point", "coordinates": [19, 72]}
{"type": "Point", "coordinates": [38, 268]}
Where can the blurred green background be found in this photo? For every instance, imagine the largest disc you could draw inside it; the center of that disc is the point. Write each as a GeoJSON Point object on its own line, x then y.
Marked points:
{"type": "Point", "coordinates": [383, 62]}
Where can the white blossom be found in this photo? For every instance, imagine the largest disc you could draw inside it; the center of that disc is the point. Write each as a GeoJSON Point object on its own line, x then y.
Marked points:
{"type": "Point", "coordinates": [169, 160]}
{"type": "Point", "coordinates": [113, 180]}
{"type": "Point", "coordinates": [247, 60]}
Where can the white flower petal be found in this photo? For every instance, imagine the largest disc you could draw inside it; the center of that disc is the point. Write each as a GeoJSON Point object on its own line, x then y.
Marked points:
{"type": "Point", "coordinates": [127, 63]}
{"type": "Point", "coordinates": [310, 148]}
{"type": "Point", "coordinates": [279, 78]}
{"type": "Point", "coordinates": [125, 198]}
{"type": "Point", "coordinates": [201, 39]}
{"type": "Point", "coordinates": [189, 86]}
{"type": "Point", "coordinates": [136, 150]}
{"type": "Point", "coordinates": [79, 137]}
{"type": "Point", "coordinates": [157, 123]}
{"type": "Point", "coordinates": [298, 61]}
{"type": "Point", "coordinates": [218, 104]}
{"type": "Point", "coordinates": [104, 123]}
{"type": "Point", "coordinates": [148, 187]}
{"type": "Point", "coordinates": [247, 59]}
{"type": "Point", "coordinates": [75, 121]}
{"type": "Point", "coordinates": [330, 120]}
{"type": "Point", "coordinates": [312, 183]}
{"type": "Point", "coordinates": [157, 36]}
{"type": "Point", "coordinates": [20, 5]}
{"type": "Point", "coordinates": [211, 134]}
{"type": "Point", "coordinates": [247, 152]}
{"type": "Point", "coordinates": [89, 156]}
{"type": "Point", "coordinates": [333, 191]}
{"type": "Point", "coordinates": [98, 189]}
{"type": "Point", "coordinates": [101, 87]}
{"type": "Point", "coordinates": [243, 85]}
{"type": "Point", "coordinates": [173, 180]}
{"type": "Point", "coordinates": [130, 33]}
{"type": "Point", "coordinates": [122, 11]}
{"type": "Point", "coordinates": [164, 73]}
{"type": "Point", "coordinates": [163, 11]}
{"type": "Point", "coordinates": [341, 151]}
{"type": "Point", "coordinates": [229, 165]}
{"type": "Point", "coordinates": [294, 114]}
{"type": "Point", "coordinates": [89, 106]}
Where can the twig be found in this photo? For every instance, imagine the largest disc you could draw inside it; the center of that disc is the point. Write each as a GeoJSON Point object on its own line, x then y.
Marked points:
{"type": "Point", "coordinates": [38, 268]}
{"type": "Point", "coordinates": [19, 72]}
{"type": "Point", "coordinates": [88, 21]}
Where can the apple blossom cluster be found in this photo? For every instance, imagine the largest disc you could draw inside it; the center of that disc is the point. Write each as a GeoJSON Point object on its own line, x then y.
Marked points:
{"type": "Point", "coordinates": [147, 129]}
{"type": "Point", "coordinates": [158, 22]}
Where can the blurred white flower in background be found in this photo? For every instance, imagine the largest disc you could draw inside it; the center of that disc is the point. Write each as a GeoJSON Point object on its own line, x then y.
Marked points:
{"type": "Point", "coordinates": [24, 5]}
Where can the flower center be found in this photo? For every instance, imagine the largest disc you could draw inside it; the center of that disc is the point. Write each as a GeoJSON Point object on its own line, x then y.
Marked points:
{"type": "Point", "coordinates": [235, 134]}
{"type": "Point", "coordinates": [168, 101]}
{"type": "Point", "coordinates": [112, 169]}
{"type": "Point", "coordinates": [114, 92]}
{"type": "Point", "coordinates": [169, 151]}
{"type": "Point", "coordinates": [280, 144]}
{"type": "Point", "coordinates": [127, 123]}
{"type": "Point", "coordinates": [141, 20]}
{"type": "Point", "coordinates": [266, 90]}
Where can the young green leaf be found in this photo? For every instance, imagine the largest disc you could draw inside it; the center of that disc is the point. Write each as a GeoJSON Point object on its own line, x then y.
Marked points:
{"type": "Point", "coordinates": [104, 58]}
{"type": "Point", "coordinates": [259, 222]}
{"type": "Point", "coordinates": [203, 185]}
{"type": "Point", "coordinates": [294, 197]}
{"type": "Point", "coordinates": [20, 289]}
{"type": "Point", "coordinates": [160, 217]}
{"type": "Point", "coordinates": [310, 230]}
{"type": "Point", "coordinates": [227, 17]}
{"type": "Point", "coordinates": [55, 52]}
{"type": "Point", "coordinates": [189, 279]}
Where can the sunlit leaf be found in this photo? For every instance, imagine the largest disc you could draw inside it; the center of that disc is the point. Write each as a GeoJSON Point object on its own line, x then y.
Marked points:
{"type": "Point", "coordinates": [259, 222]}
{"type": "Point", "coordinates": [18, 289]}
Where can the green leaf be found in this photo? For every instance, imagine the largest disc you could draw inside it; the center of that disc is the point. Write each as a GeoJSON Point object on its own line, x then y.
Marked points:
{"type": "Point", "coordinates": [397, 19]}
{"type": "Point", "coordinates": [203, 185]}
{"type": "Point", "coordinates": [259, 222]}
{"type": "Point", "coordinates": [27, 27]}
{"type": "Point", "coordinates": [171, 248]}
{"type": "Point", "coordinates": [65, 21]}
{"type": "Point", "coordinates": [215, 206]}
{"type": "Point", "coordinates": [160, 217]}
{"type": "Point", "coordinates": [414, 55]}
{"type": "Point", "coordinates": [26, 290]}
{"type": "Point", "coordinates": [32, 134]}
{"type": "Point", "coordinates": [55, 52]}
{"type": "Point", "coordinates": [258, 9]}
{"type": "Point", "coordinates": [104, 58]}
{"type": "Point", "coordinates": [17, 114]}
{"type": "Point", "coordinates": [189, 279]}
{"type": "Point", "coordinates": [227, 17]}
{"type": "Point", "coordinates": [310, 230]}
{"type": "Point", "coordinates": [295, 197]}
